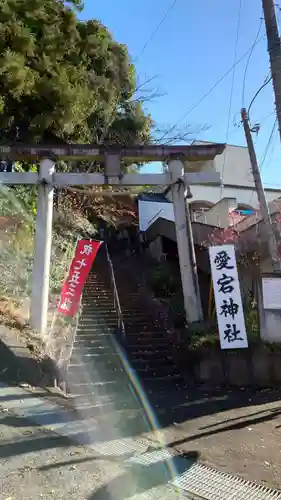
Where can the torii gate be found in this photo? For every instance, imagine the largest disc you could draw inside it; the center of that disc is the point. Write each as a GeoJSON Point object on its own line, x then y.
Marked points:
{"type": "Point", "coordinates": [176, 178]}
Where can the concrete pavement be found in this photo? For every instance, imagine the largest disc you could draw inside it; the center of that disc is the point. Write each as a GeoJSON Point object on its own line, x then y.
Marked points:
{"type": "Point", "coordinates": [48, 452]}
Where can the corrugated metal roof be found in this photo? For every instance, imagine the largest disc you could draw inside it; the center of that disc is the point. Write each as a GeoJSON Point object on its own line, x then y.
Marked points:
{"type": "Point", "coordinates": [153, 197]}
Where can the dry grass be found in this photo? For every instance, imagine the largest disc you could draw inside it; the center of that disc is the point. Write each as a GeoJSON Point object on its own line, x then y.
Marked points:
{"type": "Point", "coordinates": [14, 317]}
{"type": "Point", "coordinates": [12, 314]}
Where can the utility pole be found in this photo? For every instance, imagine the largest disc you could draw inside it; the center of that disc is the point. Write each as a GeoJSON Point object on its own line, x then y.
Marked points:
{"type": "Point", "coordinates": [274, 49]}
{"type": "Point", "coordinates": [271, 241]}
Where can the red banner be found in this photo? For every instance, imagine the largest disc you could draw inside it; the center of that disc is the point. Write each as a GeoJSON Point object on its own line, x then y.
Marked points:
{"type": "Point", "coordinates": [81, 265]}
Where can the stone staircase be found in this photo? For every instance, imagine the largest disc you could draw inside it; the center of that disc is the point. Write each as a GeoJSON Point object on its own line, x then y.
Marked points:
{"type": "Point", "coordinates": [104, 364]}
{"type": "Point", "coordinates": [147, 343]}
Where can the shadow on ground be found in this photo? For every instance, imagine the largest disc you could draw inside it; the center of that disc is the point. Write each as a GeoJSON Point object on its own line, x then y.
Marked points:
{"type": "Point", "coordinates": [195, 403]}
{"type": "Point", "coordinates": [170, 407]}
{"type": "Point", "coordinates": [141, 478]}
{"type": "Point", "coordinates": [138, 473]}
{"type": "Point", "coordinates": [25, 369]}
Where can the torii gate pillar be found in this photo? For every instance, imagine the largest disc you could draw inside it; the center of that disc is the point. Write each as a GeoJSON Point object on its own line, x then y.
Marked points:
{"type": "Point", "coordinates": [43, 247]}
{"type": "Point", "coordinates": [191, 293]}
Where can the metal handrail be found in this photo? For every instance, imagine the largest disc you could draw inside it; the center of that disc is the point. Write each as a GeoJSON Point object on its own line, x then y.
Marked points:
{"type": "Point", "coordinates": [154, 217]}
{"type": "Point", "coordinates": [116, 300]}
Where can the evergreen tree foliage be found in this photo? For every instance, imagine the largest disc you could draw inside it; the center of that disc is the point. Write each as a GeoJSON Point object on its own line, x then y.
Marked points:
{"type": "Point", "coordinates": [63, 79]}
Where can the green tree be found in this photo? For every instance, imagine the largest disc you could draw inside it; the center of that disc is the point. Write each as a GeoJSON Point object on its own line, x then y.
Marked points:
{"type": "Point", "coordinates": [62, 79]}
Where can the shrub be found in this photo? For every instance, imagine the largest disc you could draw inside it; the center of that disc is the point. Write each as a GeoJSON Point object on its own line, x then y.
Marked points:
{"type": "Point", "coordinates": [165, 281]}
{"type": "Point", "coordinates": [176, 311]}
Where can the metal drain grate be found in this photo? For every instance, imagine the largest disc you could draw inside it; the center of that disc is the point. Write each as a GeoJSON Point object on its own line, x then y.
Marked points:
{"type": "Point", "coordinates": [204, 482]}
{"type": "Point", "coordinates": [119, 447]}
{"type": "Point", "coordinates": [214, 485]}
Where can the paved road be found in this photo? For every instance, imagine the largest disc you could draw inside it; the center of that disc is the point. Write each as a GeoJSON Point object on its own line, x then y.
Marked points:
{"type": "Point", "coordinates": [36, 463]}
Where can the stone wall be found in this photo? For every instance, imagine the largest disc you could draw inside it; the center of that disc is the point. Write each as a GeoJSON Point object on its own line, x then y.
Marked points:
{"type": "Point", "coordinates": [253, 367]}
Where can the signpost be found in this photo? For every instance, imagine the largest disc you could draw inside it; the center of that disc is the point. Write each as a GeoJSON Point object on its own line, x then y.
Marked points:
{"type": "Point", "coordinates": [229, 308]}
{"type": "Point", "coordinates": [271, 290]}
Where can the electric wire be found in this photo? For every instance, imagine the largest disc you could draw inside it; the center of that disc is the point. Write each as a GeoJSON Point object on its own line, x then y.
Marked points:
{"type": "Point", "coordinates": [231, 93]}
{"type": "Point", "coordinates": [266, 82]}
{"type": "Point", "coordinates": [265, 153]}
{"type": "Point", "coordinates": [163, 19]}
{"type": "Point", "coordinates": [248, 62]}
{"type": "Point", "coordinates": [204, 96]}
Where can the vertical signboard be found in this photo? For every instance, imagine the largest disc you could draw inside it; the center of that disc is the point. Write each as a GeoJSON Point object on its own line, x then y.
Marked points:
{"type": "Point", "coordinates": [230, 315]}
{"type": "Point", "coordinates": [81, 265]}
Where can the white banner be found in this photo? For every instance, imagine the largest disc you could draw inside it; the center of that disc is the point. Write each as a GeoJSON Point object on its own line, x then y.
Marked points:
{"type": "Point", "coordinates": [228, 300]}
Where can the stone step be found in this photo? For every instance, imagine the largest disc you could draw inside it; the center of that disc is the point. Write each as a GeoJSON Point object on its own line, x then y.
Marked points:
{"type": "Point", "coordinates": [89, 410]}
{"type": "Point", "coordinates": [98, 312]}
{"type": "Point", "coordinates": [94, 298]}
{"type": "Point", "coordinates": [95, 391]}
{"type": "Point", "coordinates": [91, 336]}
{"type": "Point", "coordinates": [98, 318]}
{"type": "Point", "coordinates": [98, 292]}
{"type": "Point", "coordinates": [87, 349]}
{"type": "Point", "coordinates": [98, 365]}
{"type": "Point", "coordinates": [89, 328]}
{"type": "Point", "coordinates": [145, 333]}
{"type": "Point", "coordinates": [101, 285]}
{"type": "Point", "coordinates": [97, 304]}
{"type": "Point", "coordinates": [145, 329]}
{"type": "Point", "coordinates": [91, 388]}
{"type": "Point", "coordinates": [84, 337]}
{"type": "Point", "coordinates": [92, 341]}
{"type": "Point", "coordinates": [96, 358]}
{"type": "Point", "coordinates": [144, 353]}
{"type": "Point", "coordinates": [97, 329]}
{"type": "Point", "coordinates": [86, 374]}
{"type": "Point", "coordinates": [96, 321]}
{"type": "Point", "coordinates": [139, 344]}
{"type": "Point", "coordinates": [157, 371]}
{"type": "Point", "coordinates": [156, 382]}
{"type": "Point", "coordinates": [152, 362]}
{"type": "Point", "coordinates": [95, 284]}
{"type": "Point", "coordinates": [141, 315]}
{"type": "Point", "coordinates": [113, 402]}
{"type": "Point", "coordinates": [110, 358]}
{"type": "Point", "coordinates": [141, 341]}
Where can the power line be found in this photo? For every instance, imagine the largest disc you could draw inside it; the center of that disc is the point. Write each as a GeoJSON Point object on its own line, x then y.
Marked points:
{"type": "Point", "coordinates": [231, 92]}
{"type": "Point", "coordinates": [266, 82]}
{"type": "Point", "coordinates": [168, 11]}
{"type": "Point", "coordinates": [209, 91]}
{"type": "Point", "coordinates": [248, 62]}
{"type": "Point", "coordinates": [267, 116]}
{"type": "Point", "coordinates": [264, 155]}
{"type": "Point", "coordinates": [138, 56]}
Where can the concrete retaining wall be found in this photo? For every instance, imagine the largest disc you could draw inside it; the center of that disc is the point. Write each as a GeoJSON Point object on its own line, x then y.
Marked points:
{"type": "Point", "coordinates": [253, 367]}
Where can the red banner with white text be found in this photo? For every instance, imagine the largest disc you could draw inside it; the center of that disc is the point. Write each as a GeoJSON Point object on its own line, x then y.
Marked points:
{"type": "Point", "coordinates": [81, 265]}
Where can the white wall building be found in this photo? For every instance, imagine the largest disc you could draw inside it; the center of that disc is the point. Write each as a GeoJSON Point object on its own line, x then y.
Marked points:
{"type": "Point", "coordinates": [215, 205]}
{"type": "Point", "coordinates": [237, 179]}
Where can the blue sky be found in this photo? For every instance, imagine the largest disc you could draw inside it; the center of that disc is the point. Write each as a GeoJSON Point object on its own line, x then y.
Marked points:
{"type": "Point", "coordinates": [193, 48]}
